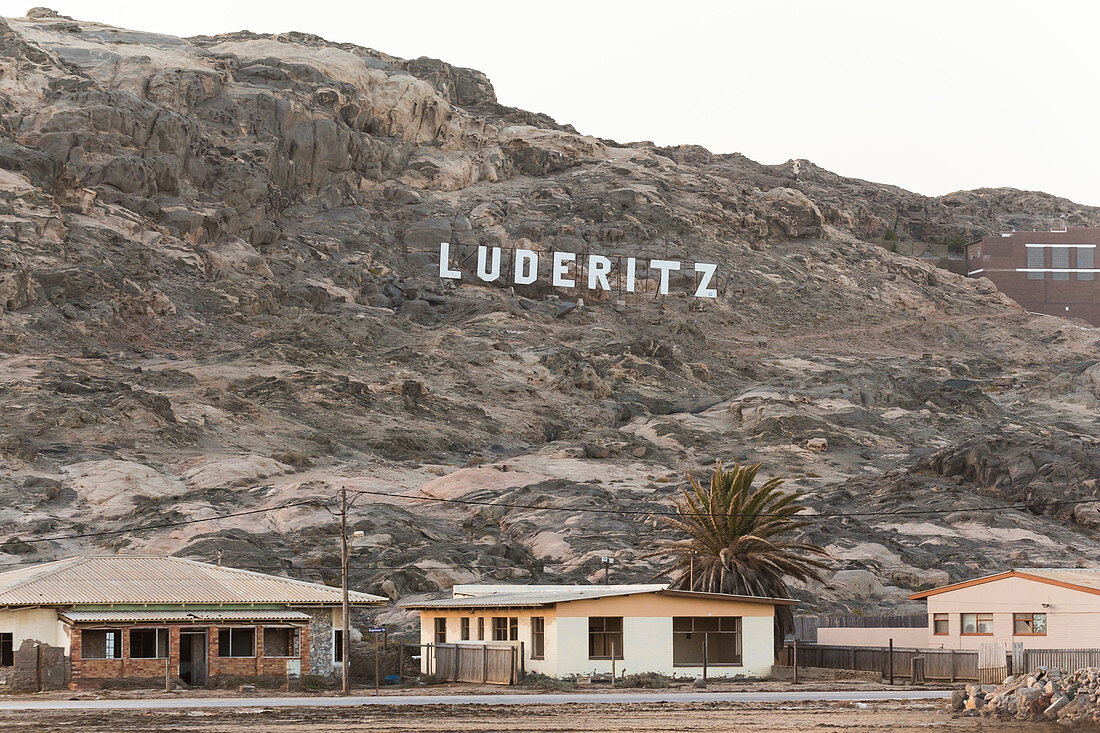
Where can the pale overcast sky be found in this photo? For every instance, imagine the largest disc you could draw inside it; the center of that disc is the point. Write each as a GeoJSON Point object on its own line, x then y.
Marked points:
{"type": "Point", "coordinates": [932, 96]}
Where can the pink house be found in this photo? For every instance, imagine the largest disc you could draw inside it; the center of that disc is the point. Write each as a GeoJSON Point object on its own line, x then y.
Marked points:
{"type": "Point", "coordinates": [1045, 608]}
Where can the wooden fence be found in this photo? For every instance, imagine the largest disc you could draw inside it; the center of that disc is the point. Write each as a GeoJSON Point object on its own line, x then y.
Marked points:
{"type": "Point", "coordinates": [939, 665]}
{"type": "Point", "coordinates": [988, 665]}
{"type": "Point", "coordinates": [1063, 659]}
{"type": "Point", "coordinates": [494, 664]}
{"type": "Point", "coordinates": [805, 627]}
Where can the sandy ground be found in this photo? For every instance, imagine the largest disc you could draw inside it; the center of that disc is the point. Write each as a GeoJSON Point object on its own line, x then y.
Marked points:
{"type": "Point", "coordinates": [718, 685]}
{"type": "Point", "coordinates": [640, 718]}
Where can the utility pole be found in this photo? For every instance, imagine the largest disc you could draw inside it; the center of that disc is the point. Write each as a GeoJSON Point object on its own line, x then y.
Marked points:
{"type": "Point", "coordinates": [607, 563]}
{"type": "Point", "coordinates": [345, 634]}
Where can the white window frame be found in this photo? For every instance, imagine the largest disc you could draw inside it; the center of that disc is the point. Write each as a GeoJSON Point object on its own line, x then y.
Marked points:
{"type": "Point", "coordinates": [121, 641]}
{"type": "Point", "coordinates": [157, 629]}
{"type": "Point", "coordinates": [231, 629]}
{"type": "Point", "coordinates": [296, 641]}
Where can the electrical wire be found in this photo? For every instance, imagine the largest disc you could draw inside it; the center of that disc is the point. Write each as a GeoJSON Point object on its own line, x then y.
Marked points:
{"type": "Point", "coordinates": [535, 507]}
{"type": "Point", "coordinates": [653, 513]}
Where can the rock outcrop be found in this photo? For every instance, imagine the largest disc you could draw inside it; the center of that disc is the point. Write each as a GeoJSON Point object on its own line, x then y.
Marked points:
{"type": "Point", "coordinates": [219, 293]}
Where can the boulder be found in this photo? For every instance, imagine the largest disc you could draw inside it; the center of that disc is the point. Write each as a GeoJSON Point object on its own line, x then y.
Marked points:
{"type": "Point", "coordinates": [113, 488]}
{"type": "Point", "coordinates": [791, 214]}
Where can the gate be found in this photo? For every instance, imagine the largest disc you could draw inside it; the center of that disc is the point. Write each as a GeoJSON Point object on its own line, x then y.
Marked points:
{"type": "Point", "coordinates": [494, 664]}
{"type": "Point", "coordinates": [992, 663]}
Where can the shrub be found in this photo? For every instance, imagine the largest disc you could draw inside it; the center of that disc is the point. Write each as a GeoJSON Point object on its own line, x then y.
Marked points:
{"type": "Point", "coordinates": [647, 680]}
{"type": "Point", "coordinates": [890, 236]}
{"type": "Point", "coordinates": [317, 682]}
{"type": "Point", "coordinates": [539, 681]}
{"type": "Point", "coordinates": [232, 681]}
{"type": "Point", "coordinates": [133, 683]}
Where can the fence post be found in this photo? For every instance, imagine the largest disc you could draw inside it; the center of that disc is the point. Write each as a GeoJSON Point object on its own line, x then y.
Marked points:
{"type": "Point", "coordinates": [852, 657]}
{"type": "Point", "coordinates": [705, 654]}
{"type": "Point", "coordinates": [952, 665]}
{"type": "Point", "coordinates": [485, 664]}
{"type": "Point", "coordinates": [794, 661]}
{"type": "Point", "coordinates": [891, 653]}
{"type": "Point", "coordinates": [377, 665]}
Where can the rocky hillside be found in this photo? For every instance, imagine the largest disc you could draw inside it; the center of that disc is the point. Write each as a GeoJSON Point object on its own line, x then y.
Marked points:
{"type": "Point", "coordinates": [219, 293]}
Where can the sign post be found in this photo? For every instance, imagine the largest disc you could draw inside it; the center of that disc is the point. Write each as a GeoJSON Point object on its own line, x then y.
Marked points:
{"type": "Point", "coordinates": [376, 630]}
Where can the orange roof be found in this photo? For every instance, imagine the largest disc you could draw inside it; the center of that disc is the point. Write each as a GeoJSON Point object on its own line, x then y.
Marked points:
{"type": "Point", "coordinates": [1086, 580]}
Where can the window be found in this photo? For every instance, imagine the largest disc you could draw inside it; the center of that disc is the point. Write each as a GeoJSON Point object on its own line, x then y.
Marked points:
{"type": "Point", "coordinates": [1029, 624]}
{"type": "Point", "coordinates": [101, 643]}
{"type": "Point", "coordinates": [338, 645]}
{"type": "Point", "coordinates": [605, 637]}
{"type": "Point", "coordinates": [237, 641]}
{"type": "Point", "coordinates": [977, 624]}
{"type": "Point", "coordinates": [465, 628]}
{"type": "Point", "coordinates": [148, 643]}
{"type": "Point", "coordinates": [939, 624]}
{"type": "Point", "coordinates": [1035, 258]}
{"type": "Point", "coordinates": [481, 628]}
{"type": "Point", "coordinates": [505, 629]}
{"type": "Point", "coordinates": [718, 637]}
{"type": "Point", "coordinates": [538, 637]}
{"type": "Point", "coordinates": [1085, 261]}
{"type": "Point", "coordinates": [441, 631]}
{"type": "Point", "coordinates": [280, 641]}
{"type": "Point", "coordinates": [7, 650]}
{"type": "Point", "coordinates": [1059, 259]}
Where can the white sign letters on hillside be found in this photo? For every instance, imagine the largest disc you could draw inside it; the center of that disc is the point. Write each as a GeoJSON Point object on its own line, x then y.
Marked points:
{"type": "Point", "coordinates": [596, 271]}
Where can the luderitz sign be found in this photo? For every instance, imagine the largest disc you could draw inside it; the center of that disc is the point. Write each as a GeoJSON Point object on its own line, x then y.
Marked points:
{"type": "Point", "coordinates": [594, 271]}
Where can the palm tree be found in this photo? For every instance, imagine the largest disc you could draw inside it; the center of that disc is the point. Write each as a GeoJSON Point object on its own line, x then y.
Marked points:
{"type": "Point", "coordinates": [739, 540]}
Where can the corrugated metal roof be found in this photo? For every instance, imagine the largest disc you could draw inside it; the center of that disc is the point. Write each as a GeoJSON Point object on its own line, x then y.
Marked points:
{"type": "Point", "coordinates": [1088, 577]}
{"type": "Point", "coordinates": [149, 579]}
{"type": "Point", "coordinates": [1087, 580]}
{"type": "Point", "coordinates": [546, 596]}
{"type": "Point", "coordinates": [484, 589]}
{"type": "Point", "coordinates": [81, 617]}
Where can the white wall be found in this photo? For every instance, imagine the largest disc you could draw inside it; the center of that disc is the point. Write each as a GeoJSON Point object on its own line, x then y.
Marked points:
{"type": "Point", "coordinates": [647, 647]}
{"type": "Point", "coordinates": [35, 624]}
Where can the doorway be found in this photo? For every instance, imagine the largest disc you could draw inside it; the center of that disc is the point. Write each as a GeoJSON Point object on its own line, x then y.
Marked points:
{"type": "Point", "coordinates": [193, 657]}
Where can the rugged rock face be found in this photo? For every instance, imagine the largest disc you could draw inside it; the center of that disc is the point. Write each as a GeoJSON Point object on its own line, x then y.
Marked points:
{"type": "Point", "coordinates": [218, 293]}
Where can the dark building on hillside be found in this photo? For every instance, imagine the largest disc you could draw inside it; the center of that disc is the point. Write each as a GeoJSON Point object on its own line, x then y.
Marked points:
{"type": "Point", "coordinates": [1053, 272]}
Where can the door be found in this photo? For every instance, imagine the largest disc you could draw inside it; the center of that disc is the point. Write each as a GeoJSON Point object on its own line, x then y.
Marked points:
{"type": "Point", "coordinates": [193, 658]}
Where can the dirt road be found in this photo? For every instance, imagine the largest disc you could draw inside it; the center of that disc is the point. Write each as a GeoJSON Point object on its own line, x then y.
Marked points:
{"type": "Point", "coordinates": [914, 715]}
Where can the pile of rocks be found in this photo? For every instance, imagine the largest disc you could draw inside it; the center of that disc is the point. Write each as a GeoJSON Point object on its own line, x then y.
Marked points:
{"type": "Point", "coordinates": [1048, 694]}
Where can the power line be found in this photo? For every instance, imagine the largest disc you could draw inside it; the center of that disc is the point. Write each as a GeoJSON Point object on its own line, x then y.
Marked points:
{"type": "Point", "coordinates": [535, 507]}
{"type": "Point", "coordinates": [653, 513]}
{"type": "Point", "coordinates": [528, 565]}
{"type": "Point", "coordinates": [167, 525]}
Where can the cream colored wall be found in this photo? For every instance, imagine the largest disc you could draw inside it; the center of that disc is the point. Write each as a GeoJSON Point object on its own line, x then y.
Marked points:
{"type": "Point", "coordinates": [876, 636]}
{"type": "Point", "coordinates": [35, 624]}
{"type": "Point", "coordinates": [547, 665]}
{"type": "Point", "coordinates": [652, 604]}
{"type": "Point", "coordinates": [647, 634]}
{"type": "Point", "coordinates": [1073, 617]}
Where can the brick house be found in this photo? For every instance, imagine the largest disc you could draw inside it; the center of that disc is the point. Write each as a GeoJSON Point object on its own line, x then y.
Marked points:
{"type": "Point", "coordinates": [143, 617]}
{"type": "Point", "coordinates": [1053, 273]}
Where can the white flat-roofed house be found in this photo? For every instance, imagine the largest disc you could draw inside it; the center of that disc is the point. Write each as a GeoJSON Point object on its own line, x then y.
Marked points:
{"type": "Point", "coordinates": [1042, 608]}
{"type": "Point", "coordinates": [567, 630]}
